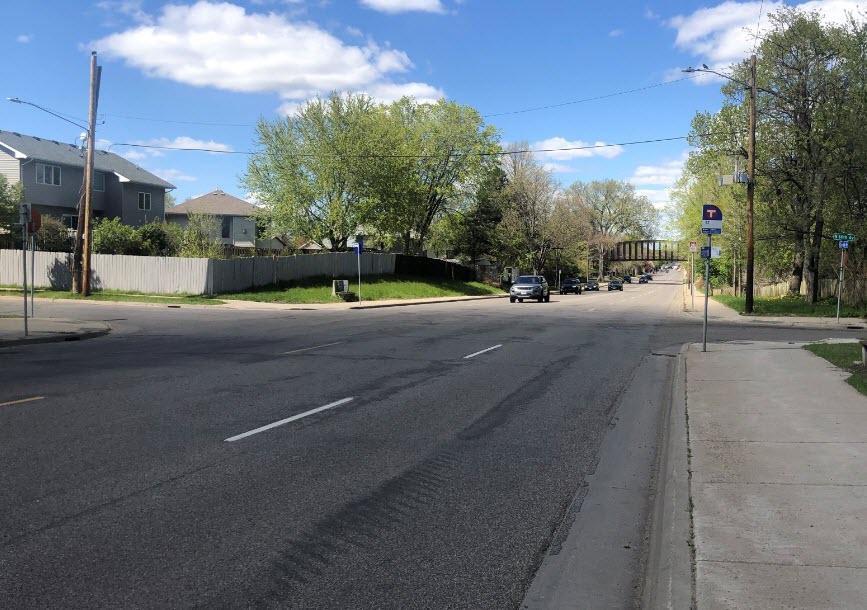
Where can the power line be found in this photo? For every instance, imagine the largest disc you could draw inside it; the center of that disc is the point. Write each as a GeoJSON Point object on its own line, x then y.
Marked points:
{"type": "Point", "coordinates": [590, 99]}
{"type": "Point", "coordinates": [479, 154]}
{"type": "Point", "coordinates": [758, 24]}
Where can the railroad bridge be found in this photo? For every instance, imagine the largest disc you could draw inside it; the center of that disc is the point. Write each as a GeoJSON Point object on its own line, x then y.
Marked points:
{"type": "Point", "coordinates": [654, 250]}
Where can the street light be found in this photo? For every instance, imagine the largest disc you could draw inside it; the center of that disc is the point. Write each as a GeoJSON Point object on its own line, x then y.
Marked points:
{"type": "Point", "coordinates": [16, 100]}
{"type": "Point", "coordinates": [751, 172]}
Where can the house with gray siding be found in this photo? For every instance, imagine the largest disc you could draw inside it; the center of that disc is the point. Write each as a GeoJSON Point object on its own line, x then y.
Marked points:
{"type": "Point", "coordinates": [52, 173]}
{"type": "Point", "coordinates": [235, 224]}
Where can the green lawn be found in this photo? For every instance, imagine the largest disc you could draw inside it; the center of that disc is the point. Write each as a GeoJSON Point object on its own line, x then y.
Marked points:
{"type": "Point", "coordinates": [318, 290]}
{"type": "Point", "coordinates": [115, 295]}
{"type": "Point", "coordinates": [792, 306]}
{"type": "Point", "coordinates": [844, 355]}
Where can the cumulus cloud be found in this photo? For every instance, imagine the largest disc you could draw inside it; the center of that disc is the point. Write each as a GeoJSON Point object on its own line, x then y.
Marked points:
{"type": "Point", "coordinates": [179, 143]}
{"type": "Point", "coordinates": [578, 149]}
{"type": "Point", "coordinates": [173, 175]}
{"type": "Point", "coordinates": [663, 174]}
{"type": "Point", "coordinates": [404, 6]}
{"type": "Point", "coordinates": [724, 34]}
{"type": "Point", "coordinates": [221, 45]}
{"type": "Point", "coordinates": [659, 198]}
{"type": "Point", "coordinates": [24, 38]}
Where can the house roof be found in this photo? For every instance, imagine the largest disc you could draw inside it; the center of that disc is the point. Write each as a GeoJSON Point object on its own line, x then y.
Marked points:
{"type": "Point", "coordinates": [31, 147]}
{"type": "Point", "coordinates": [217, 203]}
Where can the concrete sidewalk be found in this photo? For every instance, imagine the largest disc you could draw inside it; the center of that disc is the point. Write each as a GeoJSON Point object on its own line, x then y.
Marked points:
{"type": "Point", "coordinates": [778, 446]}
{"type": "Point", "coordinates": [48, 330]}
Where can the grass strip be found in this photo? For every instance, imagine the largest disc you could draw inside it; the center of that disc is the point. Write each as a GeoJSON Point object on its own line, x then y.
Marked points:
{"type": "Point", "coordinates": [791, 306]}
{"type": "Point", "coordinates": [846, 356]}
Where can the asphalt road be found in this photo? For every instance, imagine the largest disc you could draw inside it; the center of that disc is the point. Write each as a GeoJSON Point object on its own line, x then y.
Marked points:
{"type": "Point", "coordinates": [438, 480]}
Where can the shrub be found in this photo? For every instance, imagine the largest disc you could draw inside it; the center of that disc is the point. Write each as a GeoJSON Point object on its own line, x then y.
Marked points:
{"type": "Point", "coordinates": [114, 237]}
{"type": "Point", "coordinates": [160, 238]}
{"type": "Point", "coordinates": [199, 238]}
{"type": "Point", "coordinates": [53, 236]}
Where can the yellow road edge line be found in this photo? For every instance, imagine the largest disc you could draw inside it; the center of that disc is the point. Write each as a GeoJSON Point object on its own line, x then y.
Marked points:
{"type": "Point", "coordinates": [18, 402]}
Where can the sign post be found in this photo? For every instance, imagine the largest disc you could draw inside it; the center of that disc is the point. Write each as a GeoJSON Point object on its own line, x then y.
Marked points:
{"type": "Point", "coordinates": [25, 220]}
{"type": "Point", "coordinates": [844, 239]}
{"type": "Point", "coordinates": [693, 247]}
{"type": "Point", "coordinates": [711, 224]}
{"type": "Point", "coordinates": [359, 248]}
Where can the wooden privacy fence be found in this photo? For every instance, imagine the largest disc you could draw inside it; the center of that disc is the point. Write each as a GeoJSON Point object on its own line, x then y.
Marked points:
{"type": "Point", "coordinates": [173, 275]}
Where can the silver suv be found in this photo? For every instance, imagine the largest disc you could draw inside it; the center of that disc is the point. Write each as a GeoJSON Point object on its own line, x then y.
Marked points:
{"type": "Point", "coordinates": [530, 287]}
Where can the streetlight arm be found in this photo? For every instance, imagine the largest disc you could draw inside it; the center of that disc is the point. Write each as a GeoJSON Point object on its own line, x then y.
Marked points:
{"type": "Point", "coordinates": [62, 118]}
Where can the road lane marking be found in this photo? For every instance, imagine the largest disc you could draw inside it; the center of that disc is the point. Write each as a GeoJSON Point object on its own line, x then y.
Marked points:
{"type": "Point", "coordinates": [589, 310]}
{"type": "Point", "coordinates": [307, 349]}
{"type": "Point", "coordinates": [18, 402]}
{"type": "Point", "coordinates": [483, 351]}
{"type": "Point", "coordinates": [330, 405]}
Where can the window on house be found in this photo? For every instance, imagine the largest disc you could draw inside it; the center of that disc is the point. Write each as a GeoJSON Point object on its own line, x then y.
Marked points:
{"type": "Point", "coordinates": [47, 174]}
{"type": "Point", "coordinates": [227, 227]}
{"type": "Point", "coordinates": [144, 201]}
{"type": "Point", "coordinates": [98, 181]}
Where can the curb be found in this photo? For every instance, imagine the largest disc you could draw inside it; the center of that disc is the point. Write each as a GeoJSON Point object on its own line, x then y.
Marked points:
{"type": "Point", "coordinates": [668, 581]}
{"type": "Point", "coordinates": [446, 300]}
{"type": "Point", "coordinates": [55, 338]}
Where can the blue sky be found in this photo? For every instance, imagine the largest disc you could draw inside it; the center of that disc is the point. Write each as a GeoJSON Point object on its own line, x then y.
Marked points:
{"type": "Point", "coordinates": [169, 67]}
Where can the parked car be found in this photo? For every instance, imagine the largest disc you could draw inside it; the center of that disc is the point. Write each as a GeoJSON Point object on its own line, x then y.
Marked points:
{"type": "Point", "coordinates": [647, 276]}
{"type": "Point", "coordinates": [615, 285]}
{"type": "Point", "coordinates": [642, 280]}
{"type": "Point", "coordinates": [592, 285]}
{"type": "Point", "coordinates": [627, 279]}
{"type": "Point", "coordinates": [530, 287]}
{"type": "Point", "coordinates": [571, 285]}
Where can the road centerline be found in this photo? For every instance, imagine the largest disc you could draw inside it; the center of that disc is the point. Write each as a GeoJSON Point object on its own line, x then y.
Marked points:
{"type": "Point", "coordinates": [18, 402]}
{"type": "Point", "coordinates": [499, 345]}
{"type": "Point", "coordinates": [281, 422]}
{"type": "Point", "coordinates": [307, 349]}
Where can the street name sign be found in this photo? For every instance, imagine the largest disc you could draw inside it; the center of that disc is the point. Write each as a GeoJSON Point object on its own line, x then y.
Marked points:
{"type": "Point", "coordinates": [844, 237]}
{"type": "Point", "coordinates": [711, 220]}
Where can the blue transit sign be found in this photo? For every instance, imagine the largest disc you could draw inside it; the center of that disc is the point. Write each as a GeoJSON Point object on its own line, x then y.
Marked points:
{"type": "Point", "coordinates": [711, 220]}
{"type": "Point", "coordinates": [705, 252]}
{"type": "Point", "coordinates": [844, 245]}
{"type": "Point", "coordinates": [359, 246]}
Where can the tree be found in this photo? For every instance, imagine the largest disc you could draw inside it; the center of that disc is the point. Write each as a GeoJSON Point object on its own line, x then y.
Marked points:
{"type": "Point", "coordinates": [53, 235]}
{"type": "Point", "coordinates": [438, 154]}
{"type": "Point", "coordinates": [11, 198]}
{"type": "Point", "coordinates": [170, 201]}
{"type": "Point", "coordinates": [309, 169]}
{"type": "Point", "coordinates": [114, 237]}
{"type": "Point", "coordinates": [159, 238]}
{"type": "Point", "coordinates": [200, 237]}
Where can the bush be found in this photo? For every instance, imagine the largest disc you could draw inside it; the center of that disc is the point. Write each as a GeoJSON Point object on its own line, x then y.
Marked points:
{"type": "Point", "coordinates": [53, 236]}
{"type": "Point", "coordinates": [199, 238]}
{"type": "Point", "coordinates": [114, 237]}
{"type": "Point", "coordinates": [160, 238]}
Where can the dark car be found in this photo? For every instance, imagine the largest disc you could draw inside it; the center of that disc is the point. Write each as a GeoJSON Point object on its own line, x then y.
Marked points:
{"type": "Point", "coordinates": [627, 279]}
{"type": "Point", "coordinates": [592, 285]}
{"type": "Point", "coordinates": [615, 285]}
{"type": "Point", "coordinates": [571, 285]}
{"type": "Point", "coordinates": [530, 287]}
{"type": "Point", "coordinates": [647, 276]}
{"type": "Point", "coordinates": [642, 280]}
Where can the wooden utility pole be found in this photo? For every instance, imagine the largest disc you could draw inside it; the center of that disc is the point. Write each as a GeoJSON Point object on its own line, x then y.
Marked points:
{"type": "Point", "coordinates": [86, 230]}
{"type": "Point", "coordinates": [751, 189]}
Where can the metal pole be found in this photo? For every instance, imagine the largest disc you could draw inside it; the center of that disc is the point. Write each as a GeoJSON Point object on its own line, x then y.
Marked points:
{"type": "Point", "coordinates": [359, 273]}
{"type": "Point", "coordinates": [32, 274]}
{"type": "Point", "coordinates": [24, 219]}
{"type": "Point", "coordinates": [751, 189]}
{"type": "Point", "coordinates": [840, 284]}
{"type": "Point", "coordinates": [706, 293]}
{"type": "Point", "coordinates": [692, 279]}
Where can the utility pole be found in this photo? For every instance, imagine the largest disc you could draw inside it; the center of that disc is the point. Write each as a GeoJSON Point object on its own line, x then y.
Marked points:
{"type": "Point", "coordinates": [87, 230]}
{"type": "Point", "coordinates": [751, 189]}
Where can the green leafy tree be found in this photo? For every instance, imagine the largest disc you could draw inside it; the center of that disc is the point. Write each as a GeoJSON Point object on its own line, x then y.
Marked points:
{"type": "Point", "coordinates": [114, 237]}
{"type": "Point", "coordinates": [160, 238]}
{"type": "Point", "coordinates": [310, 169]}
{"type": "Point", "coordinates": [53, 236]}
{"type": "Point", "coordinates": [11, 198]}
{"type": "Point", "coordinates": [200, 237]}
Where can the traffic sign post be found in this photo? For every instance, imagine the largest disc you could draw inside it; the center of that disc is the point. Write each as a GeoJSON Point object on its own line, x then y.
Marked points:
{"type": "Point", "coordinates": [693, 246]}
{"type": "Point", "coordinates": [844, 239]}
{"type": "Point", "coordinates": [25, 221]}
{"type": "Point", "coordinates": [359, 248]}
{"type": "Point", "coordinates": [711, 224]}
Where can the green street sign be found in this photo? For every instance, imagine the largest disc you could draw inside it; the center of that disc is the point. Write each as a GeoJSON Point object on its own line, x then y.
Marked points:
{"type": "Point", "coordinates": [844, 237]}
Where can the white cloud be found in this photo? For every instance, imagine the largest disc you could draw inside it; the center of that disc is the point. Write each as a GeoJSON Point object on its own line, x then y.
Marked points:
{"type": "Point", "coordinates": [180, 142]}
{"type": "Point", "coordinates": [389, 92]}
{"type": "Point", "coordinates": [578, 150]}
{"type": "Point", "coordinates": [404, 6]}
{"type": "Point", "coordinates": [129, 8]}
{"type": "Point", "coordinates": [173, 175]}
{"type": "Point", "coordinates": [615, 33]}
{"type": "Point", "coordinates": [724, 34]}
{"type": "Point", "coordinates": [133, 155]}
{"type": "Point", "coordinates": [658, 197]}
{"type": "Point", "coordinates": [559, 168]}
{"type": "Point", "coordinates": [221, 45]}
{"type": "Point", "coordinates": [664, 174]}
{"type": "Point", "coordinates": [24, 38]}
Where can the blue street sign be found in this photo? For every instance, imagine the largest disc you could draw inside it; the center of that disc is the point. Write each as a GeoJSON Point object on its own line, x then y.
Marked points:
{"type": "Point", "coordinates": [705, 252]}
{"type": "Point", "coordinates": [844, 245]}
{"type": "Point", "coordinates": [359, 246]}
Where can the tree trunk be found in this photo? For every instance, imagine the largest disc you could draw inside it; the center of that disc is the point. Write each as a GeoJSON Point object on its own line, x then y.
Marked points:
{"type": "Point", "coordinates": [813, 262]}
{"type": "Point", "coordinates": [797, 265]}
{"type": "Point", "coordinates": [601, 261]}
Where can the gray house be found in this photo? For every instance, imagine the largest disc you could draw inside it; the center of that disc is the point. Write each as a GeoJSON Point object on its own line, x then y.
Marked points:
{"type": "Point", "coordinates": [236, 226]}
{"type": "Point", "coordinates": [52, 174]}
